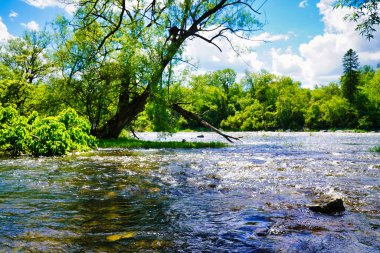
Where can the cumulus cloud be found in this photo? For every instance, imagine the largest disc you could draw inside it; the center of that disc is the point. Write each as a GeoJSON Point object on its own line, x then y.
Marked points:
{"type": "Point", "coordinates": [4, 34]}
{"type": "Point", "coordinates": [69, 8]}
{"type": "Point", "coordinates": [31, 26]}
{"type": "Point", "coordinates": [303, 4]}
{"type": "Point", "coordinates": [319, 60]}
{"type": "Point", "coordinates": [13, 14]}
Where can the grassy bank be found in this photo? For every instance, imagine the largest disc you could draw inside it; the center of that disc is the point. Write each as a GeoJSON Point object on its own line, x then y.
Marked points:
{"type": "Point", "coordinates": [134, 143]}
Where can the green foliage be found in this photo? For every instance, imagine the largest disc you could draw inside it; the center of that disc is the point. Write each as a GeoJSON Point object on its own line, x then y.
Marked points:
{"type": "Point", "coordinates": [375, 149]}
{"type": "Point", "coordinates": [39, 136]}
{"type": "Point", "coordinates": [213, 96]}
{"type": "Point", "coordinates": [50, 138]}
{"type": "Point", "coordinates": [350, 79]}
{"type": "Point", "coordinates": [14, 131]}
{"type": "Point", "coordinates": [252, 117]}
{"type": "Point", "coordinates": [365, 13]}
{"type": "Point", "coordinates": [78, 129]}
{"type": "Point", "coordinates": [24, 65]}
{"type": "Point", "coordinates": [133, 143]}
{"type": "Point", "coordinates": [371, 89]}
{"type": "Point", "coordinates": [143, 123]}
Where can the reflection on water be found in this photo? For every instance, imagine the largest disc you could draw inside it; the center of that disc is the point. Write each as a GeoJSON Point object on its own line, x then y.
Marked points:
{"type": "Point", "coordinates": [249, 197]}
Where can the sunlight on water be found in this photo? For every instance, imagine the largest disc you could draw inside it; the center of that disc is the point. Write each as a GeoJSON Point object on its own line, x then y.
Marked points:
{"type": "Point", "coordinates": [252, 195]}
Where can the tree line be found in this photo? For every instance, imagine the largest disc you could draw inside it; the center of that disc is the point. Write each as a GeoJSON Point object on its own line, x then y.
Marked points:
{"type": "Point", "coordinates": [264, 101]}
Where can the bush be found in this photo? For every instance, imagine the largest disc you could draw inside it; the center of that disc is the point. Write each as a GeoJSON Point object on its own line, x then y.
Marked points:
{"type": "Point", "coordinates": [49, 136]}
{"type": "Point", "coordinates": [79, 130]}
{"type": "Point", "coordinates": [14, 132]}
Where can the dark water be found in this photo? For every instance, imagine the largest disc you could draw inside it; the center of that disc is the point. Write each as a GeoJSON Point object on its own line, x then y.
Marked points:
{"type": "Point", "coordinates": [249, 197]}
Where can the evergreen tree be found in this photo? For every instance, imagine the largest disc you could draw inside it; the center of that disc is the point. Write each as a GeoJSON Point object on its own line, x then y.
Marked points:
{"type": "Point", "coordinates": [350, 78]}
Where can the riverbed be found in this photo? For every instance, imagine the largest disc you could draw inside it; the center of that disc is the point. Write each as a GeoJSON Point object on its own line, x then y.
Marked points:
{"type": "Point", "coordinates": [251, 196]}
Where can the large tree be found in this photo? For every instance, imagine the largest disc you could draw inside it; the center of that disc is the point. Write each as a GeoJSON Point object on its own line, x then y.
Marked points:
{"type": "Point", "coordinates": [145, 36]}
{"type": "Point", "coordinates": [350, 78]}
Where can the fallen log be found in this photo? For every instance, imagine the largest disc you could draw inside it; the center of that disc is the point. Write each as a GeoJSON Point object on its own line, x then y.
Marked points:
{"type": "Point", "coordinates": [134, 134]}
{"type": "Point", "coordinates": [190, 115]}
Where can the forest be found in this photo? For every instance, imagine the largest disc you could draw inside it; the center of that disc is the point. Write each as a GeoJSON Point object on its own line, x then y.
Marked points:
{"type": "Point", "coordinates": [111, 69]}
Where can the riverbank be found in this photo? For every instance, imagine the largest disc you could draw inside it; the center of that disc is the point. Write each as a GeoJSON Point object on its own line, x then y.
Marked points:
{"type": "Point", "coordinates": [135, 143]}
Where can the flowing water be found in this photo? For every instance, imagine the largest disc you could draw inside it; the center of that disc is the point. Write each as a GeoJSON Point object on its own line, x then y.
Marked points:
{"type": "Point", "coordinates": [252, 196]}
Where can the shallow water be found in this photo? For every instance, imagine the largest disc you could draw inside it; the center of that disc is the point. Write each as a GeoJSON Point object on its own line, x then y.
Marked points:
{"type": "Point", "coordinates": [249, 197]}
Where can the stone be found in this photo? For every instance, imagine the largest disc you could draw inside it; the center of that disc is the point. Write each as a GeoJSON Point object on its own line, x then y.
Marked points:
{"type": "Point", "coordinates": [334, 207]}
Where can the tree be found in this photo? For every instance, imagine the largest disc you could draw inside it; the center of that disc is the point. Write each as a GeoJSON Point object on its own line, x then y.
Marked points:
{"type": "Point", "coordinates": [88, 84]}
{"type": "Point", "coordinates": [148, 35]}
{"type": "Point", "coordinates": [366, 12]}
{"type": "Point", "coordinates": [350, 78]}
{"type": "Point", "coordinates": [23, 66]}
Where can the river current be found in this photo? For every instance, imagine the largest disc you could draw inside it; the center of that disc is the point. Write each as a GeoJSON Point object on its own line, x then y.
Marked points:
{"type": "Point", "coordinates": [251, 196]}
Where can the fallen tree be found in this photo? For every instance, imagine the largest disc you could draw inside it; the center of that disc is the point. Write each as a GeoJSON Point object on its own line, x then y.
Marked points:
{"type": "Point", "coordinates": [192, 116]}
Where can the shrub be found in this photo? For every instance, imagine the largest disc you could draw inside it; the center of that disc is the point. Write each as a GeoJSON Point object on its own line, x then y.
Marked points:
{"type": "Point", "coordinates": [49, 138]}
{"type": "Point", "coordinates": [14, 132]}
{"type": "Point", "coordinates": [78, 129]}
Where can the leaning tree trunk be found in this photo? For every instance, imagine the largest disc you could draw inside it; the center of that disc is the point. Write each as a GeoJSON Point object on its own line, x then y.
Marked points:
{"type": "Point", "coordinates": [128, 110]}
{"type": "Point", "coordinates": [192, 116]}
{"type": "Point", "coordinates": [124, 117]}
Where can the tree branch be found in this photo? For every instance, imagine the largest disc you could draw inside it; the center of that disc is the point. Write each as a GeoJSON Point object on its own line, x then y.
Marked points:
{"type": "Point", "coordinates": [190, 115]}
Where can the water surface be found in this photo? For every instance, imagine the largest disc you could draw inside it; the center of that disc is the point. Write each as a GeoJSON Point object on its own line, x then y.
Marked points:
{"type": "Point", "coordinates": [249, 197]}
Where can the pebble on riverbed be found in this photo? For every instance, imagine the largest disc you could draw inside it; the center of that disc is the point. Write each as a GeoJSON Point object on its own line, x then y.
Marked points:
{"type": "Point", "coordinates": [334, 207]}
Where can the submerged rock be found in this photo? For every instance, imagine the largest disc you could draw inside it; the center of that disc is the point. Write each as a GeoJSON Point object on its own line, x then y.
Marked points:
{"type": "Point", "coordinates": [201, 136]}
{"type": "Point", "coordinates": [333, 207]}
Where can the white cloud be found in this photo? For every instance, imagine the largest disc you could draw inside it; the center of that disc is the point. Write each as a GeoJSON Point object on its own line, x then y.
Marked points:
{"type": "Point", "coordinates": [31, 26]}
{"type": "Point", "coordinates": [319, 60]}
{"type": "Point", "coordinates": [69, 8]}
{"type": "Point", "coordinates": [240, 58]}
{"type": "Point", "coordinates": [13, 14]}
{"type": "Point", "coordinates": [303, 4]}
{"type": "Point", "coordinates": [286, 62]}
{"type": "Point", "coordinates": [4, 34]}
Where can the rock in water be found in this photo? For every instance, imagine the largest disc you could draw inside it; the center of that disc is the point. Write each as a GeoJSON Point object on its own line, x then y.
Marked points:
{"type": "Point", "coordinates": [332, 207]}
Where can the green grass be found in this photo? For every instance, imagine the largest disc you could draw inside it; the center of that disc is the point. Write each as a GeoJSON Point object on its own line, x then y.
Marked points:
{"type": "Point", "coordinates": [133, 143]}
{"type": "Point", "coordinates": [375, 149]}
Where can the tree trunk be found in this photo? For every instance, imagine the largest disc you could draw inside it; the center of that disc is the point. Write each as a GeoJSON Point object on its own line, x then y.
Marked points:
{"type": "Point", "coordinates": [128, 110]}
{"type": "Point", "coordinates": [190, 115]}
{"type": "Point", "coordinates": [124, 117]}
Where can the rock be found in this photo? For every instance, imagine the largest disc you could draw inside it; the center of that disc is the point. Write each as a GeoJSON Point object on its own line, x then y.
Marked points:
{"type": "Point", "coordinates": [183, 140]}
{"type": "Point", "coordinates": [262, 231]}
{"type": "Point", "coordinates": [333, 207]}
{"type": "Point", "coordinates": [201, 136]}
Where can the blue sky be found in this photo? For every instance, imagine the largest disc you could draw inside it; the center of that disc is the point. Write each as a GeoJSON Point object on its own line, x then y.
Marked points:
{"type": "Point", "coordinates": [302, 34]}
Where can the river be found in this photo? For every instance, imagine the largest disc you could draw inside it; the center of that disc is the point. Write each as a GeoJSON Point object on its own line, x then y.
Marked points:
{"type": "Point", "coordinates": [251, 196]}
